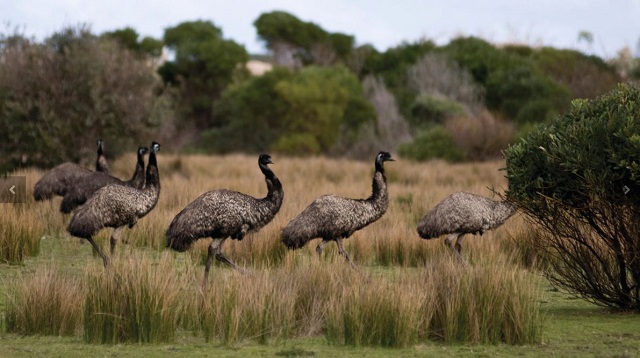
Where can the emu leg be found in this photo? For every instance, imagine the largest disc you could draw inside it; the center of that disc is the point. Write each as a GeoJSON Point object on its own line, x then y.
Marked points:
{"type": "Point", "coordinates": [215, 250]}
{"type": "Point", "coordinates": [114, 238]}
{"type": "Point", "coordinates": [105, 258]}
{"type": "Point", "coordinates": [458, 246]}
{"type": "Point", "coordinates": [321, 246]}
{"type": "Point", "coordinates": [342, 252]}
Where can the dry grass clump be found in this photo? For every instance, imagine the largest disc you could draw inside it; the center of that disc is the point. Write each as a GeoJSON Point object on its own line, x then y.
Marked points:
{"type": "Point", "coordinates": [44, 303]}
{"type": "Point", "coordinates": [135, 300]}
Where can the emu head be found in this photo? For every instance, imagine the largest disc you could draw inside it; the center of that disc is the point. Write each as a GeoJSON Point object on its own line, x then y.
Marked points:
{"type": "Point", "coordinates": [100, 145]}
{"type": "Point", "coordinates": [381, 158]}
{"type": "Point", "coordinates": [264, 159]}
{"type": "Point", "coordinates": [155, 147]}
{"type": "Point", "coordinates": [142, 150]}
{"type": "Point", "coordinates": [384, 157]}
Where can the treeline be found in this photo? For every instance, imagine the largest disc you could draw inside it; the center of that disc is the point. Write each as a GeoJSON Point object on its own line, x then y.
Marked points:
{"type": "Point", "coordinates": [466, 100]}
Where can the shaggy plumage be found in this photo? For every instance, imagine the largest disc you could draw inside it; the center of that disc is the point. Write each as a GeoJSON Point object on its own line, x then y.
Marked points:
{"type": "Point", "coordinates": [89, 184]}
{"type": "Point", "coordinates": [60, 178]}
{"type": "Point", "coordinates": [220, 214]}
{"type": "Point", "coordinates": [464, 213]}
{"type": "Point", "coordinates": [333, 218]}
{"type": "Point", "coordinates": [117, 206]}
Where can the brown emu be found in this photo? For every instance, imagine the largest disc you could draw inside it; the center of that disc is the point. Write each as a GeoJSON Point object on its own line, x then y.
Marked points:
{"type": "Point", "coordinates": [89, 184]}
{"type": "Point", "coordinates": [464, 213]}
{"type": "Point", "coordinates": [117, 206]}
{"type": "Point", "coordinates": [220, 214]}
{"type": "Point", "coordinates": [60, 178]}
{"type": "Point", "coordinates": [333, 218]}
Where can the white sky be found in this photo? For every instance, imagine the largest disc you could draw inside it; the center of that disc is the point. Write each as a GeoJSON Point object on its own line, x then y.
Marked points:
{"type": "Point", "coordinates": [613, 24]}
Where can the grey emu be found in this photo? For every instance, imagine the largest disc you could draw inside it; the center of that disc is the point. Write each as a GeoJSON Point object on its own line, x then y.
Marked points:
{"type": "Point", "coordinates": [220, 214]}
{"type": "Point", "coordinates": [117, 206]}
{"type": "Point", "coordinates": [60, 178]}
{"type": "Point", "coordinates": [333, 218]}
{"type": "Point", "coordinates": [464, 213]}
{"type": "Point", "coordinates": [89, 184]}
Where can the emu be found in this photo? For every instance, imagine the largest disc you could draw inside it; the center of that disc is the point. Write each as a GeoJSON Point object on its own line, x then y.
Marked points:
{"type": "Point", "coordinates": [464, 213]}
{"type": "Point", "coordinates": [222, 213]}
{"type": "Point", "coordinates": [62, 177]}
{"type": "Point", "coordinates": [117, 206]}
{"type": "Point", "coordinates": [89, 184]}
{"type": "Point", "coordinates": [334, 218]}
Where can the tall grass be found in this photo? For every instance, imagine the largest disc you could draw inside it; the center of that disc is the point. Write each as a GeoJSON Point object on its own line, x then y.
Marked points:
{"type": "Point", "coordinates": [44, 303]}
{"type": "Point", "coordinates": [483, 304]}
{"type": "Point", "coordinates": [134, 300]}
{"type": "Point", "coordinates": [20, 233]}
{"type": "Point", "coordinates": [404, 291]}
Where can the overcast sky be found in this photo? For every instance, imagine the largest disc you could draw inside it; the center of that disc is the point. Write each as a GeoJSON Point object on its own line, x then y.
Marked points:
{"type": "Point", "coordinates": [384, 24]}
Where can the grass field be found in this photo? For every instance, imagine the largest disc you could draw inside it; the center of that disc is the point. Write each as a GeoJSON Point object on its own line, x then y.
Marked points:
{"type": "Point", "coordinates": [405, 292]}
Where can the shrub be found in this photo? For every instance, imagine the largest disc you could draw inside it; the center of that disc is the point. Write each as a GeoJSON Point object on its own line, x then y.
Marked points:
{"type": "Point", "coordinates": [427, 110]}
{"type": "Point", "coordinates": [433, 143]}
{"type": "Point", "coordinates": [480, 137]}
{"type": "Point", "coordinates": [578, 178]}
{"type": "Point", "coordinates": [58, 97]}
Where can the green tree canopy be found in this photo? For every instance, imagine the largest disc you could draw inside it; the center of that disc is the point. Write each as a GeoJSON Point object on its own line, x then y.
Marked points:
{"type": "Point", "coordinates": [303, 112]}
{"type": "Point", "coordinates": [129, 38]}
{"type": "Point", "coordinates": [204, 65]}
{"type": "Point", "coordinates": [307, 41]}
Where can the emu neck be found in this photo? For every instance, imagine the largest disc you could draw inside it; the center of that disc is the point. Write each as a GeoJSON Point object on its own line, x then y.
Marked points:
{"type": "Point", "coordinates": [274, 187]}
{"type": "Point", "coordinates": [379, 195]}
{"type": "Point", "coordinates": [101, 161]}
{"type": "Point", "coordinates": [138, 178]}
{"type": "Point", "coordinates": [152, 181]}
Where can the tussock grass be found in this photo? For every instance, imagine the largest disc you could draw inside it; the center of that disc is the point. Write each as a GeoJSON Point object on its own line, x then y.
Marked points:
{"type": "Point", "coordinates": [134, 300]}
{"type": "Point", "coordinates": [404, 291]}
{"type": "Point", "coordinates": [44, 303]}
{"type": "Point", "coordinates": [20, 234]}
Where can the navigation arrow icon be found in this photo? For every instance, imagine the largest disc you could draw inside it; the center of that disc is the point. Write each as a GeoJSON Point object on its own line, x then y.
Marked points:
{"type": "Point", "coordinates": [12, 189]}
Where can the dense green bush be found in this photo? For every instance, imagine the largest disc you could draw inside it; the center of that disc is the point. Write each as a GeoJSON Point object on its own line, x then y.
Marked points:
{"type": "Point", "coordinates": [433, 143]}
{"type": "Point", "coordinates": [510, 77]}
{"type": "Point", "coordinates": [428, 110]}
{"type": "Point", "coordinates": [59, 96]}
{"type": "Point", "coordinates": [578, 178]}
{"type": "Point", "coordinates": [584, 76]}
{"type": "Point", "coordinates": [301, 112]}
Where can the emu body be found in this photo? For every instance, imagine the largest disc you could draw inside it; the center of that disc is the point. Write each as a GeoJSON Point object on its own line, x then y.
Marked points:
{"type": "Point", "coordinates": [463, 213]}
{"type": "Point", "coordinates": [62, 177]}
{"type": "Point", "coordinates": [117, 206]}
{"type": "Point", "coordinates": [222, 214]}
{"type": "Point", "coordinates": [334, 218]}
{"type": "Point", "coordinates": [86, 186]}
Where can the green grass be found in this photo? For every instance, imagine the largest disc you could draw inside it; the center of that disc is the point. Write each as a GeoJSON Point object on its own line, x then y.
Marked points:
{"type": "Point", "coordinates": [572, 327]}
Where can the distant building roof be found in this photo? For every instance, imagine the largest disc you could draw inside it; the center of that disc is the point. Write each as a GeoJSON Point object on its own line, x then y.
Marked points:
{"type": "Point", "coordinates": [258, 68]}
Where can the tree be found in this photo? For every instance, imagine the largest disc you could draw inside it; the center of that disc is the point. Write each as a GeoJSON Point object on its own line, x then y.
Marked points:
{"type": "Point", "coordinates": [514, 85]}
{"type": "Point", "coordinates": [58, 97]}
{"type": "Point", "coordinates": [578, 178]}
{"type": "Point", "coordinates": [204, 65]}
{"type": "Point", "coordinates": [129, 38]}
{"type": "Point", "coordinates": [250, 114]}
{"type": "Point", "coordinates": [296, 43]}
{"type": "Point", "coordinates": [322, 105]}
{"type": "Point", "coordinates": [301, 112]}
